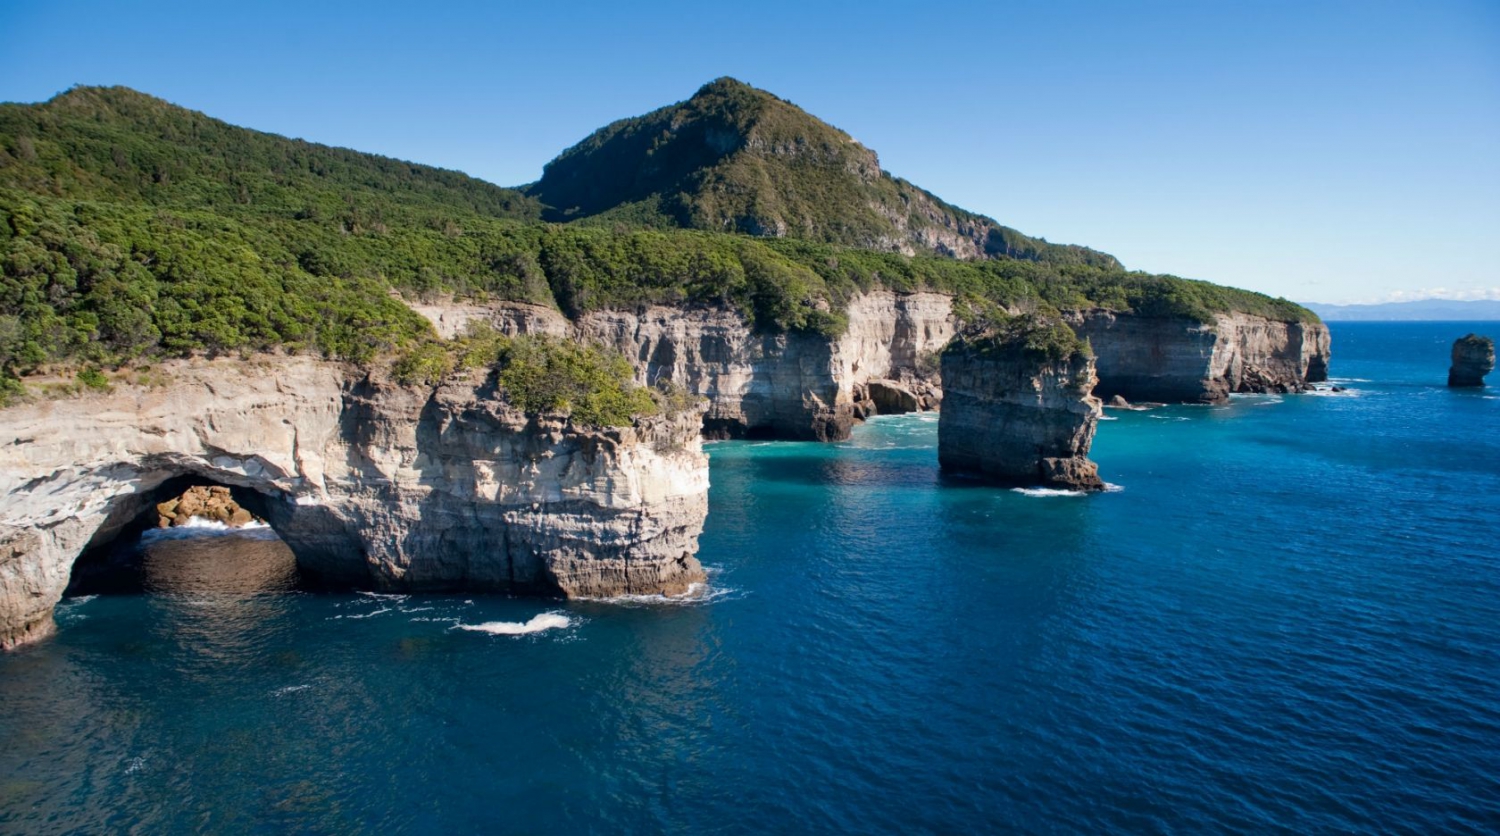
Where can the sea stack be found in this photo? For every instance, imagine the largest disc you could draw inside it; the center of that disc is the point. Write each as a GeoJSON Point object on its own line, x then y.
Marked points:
{"type": "Point", "coordinates": [1473, 358]}
{"type": "Point", "coordinates": [1018, 405]}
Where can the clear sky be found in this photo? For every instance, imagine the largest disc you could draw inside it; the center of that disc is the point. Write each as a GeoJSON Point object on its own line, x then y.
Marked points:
{"type": "Point", "coordinates": [1323, 151]}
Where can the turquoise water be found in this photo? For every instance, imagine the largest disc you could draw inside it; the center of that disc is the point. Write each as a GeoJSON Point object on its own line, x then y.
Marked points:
{"type": "Point", "coordinates": [1288, 618]}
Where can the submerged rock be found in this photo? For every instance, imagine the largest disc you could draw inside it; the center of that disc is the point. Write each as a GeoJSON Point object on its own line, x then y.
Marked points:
{"type": "Point", "coordinates": [1473, 358]}
{"type": "Point", "coordinates": [1018, 407]}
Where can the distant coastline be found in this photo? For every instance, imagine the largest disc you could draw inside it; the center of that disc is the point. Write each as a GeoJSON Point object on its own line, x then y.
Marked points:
{"type": "Point", "coordinates": [1422, 310]}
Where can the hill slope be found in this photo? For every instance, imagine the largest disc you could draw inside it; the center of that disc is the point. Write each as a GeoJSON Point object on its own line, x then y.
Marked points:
{"type": "Point", "coordinates": [736, 159]}
{"type": "Point", "coordinates": [131, 229]}
{"type": "Point", "coordinates": [115, 144]}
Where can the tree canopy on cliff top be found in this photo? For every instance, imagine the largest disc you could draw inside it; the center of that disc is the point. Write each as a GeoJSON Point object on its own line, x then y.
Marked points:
{"type": "Point", "coordinates": [132, 228]}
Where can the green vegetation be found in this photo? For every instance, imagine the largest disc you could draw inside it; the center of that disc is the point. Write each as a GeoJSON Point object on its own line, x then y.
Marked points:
{"type": "Point", "coordinates": [94, 379]}
{"type": "Point", "coordinates": [736, 159]}
{"type": "Point", "coordinates": [543, 374]}
{"type": "Point", "coordinates": [117, 145]}
{"type": "Point", "coordinates": [107, 283]}
{"type": "Point", "coordinates": [131, 229]}
{"type": "Point", "coordinates": [1042, 337]}
{"type": "Point", "coordinates": [546, 374]}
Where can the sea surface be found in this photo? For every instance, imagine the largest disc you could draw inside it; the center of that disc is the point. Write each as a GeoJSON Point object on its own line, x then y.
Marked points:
{"type": "Point", "coordinates": [1287, 619]}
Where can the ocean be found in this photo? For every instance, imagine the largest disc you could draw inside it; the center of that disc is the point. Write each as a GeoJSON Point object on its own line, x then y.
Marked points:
{"type": "Point", "coordinates": [1285, 618]}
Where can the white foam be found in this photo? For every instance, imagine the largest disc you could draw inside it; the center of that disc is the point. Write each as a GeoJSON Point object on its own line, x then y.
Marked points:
{"type": "Point", "coordinates": [1110, 487]}
{"type": "Point", "coordinates": [385, 596]}
{"type": "Point", "coordinates": [82, 599]}
{"type": "Point", "coordinates": [1048, 492]}
{"type": "Point", "coordinates": [200, 527]}
{"type": "Point", "coordinates": [1108, 418]}
{"type": "Point", "coordinates": [545, 621]}
{"type": "Point", "coordinates": [697, 593]}
{"type": "Point", "coordinates": [290, 689]}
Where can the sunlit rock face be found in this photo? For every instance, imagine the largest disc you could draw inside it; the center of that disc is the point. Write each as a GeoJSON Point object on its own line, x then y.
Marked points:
{"type": "Point", "coordinates": [1176, 360]}
{"type": "Point", "coordinates": [808, 386]}
{"type": "Point", "coordinates": [779, 385]}
{"type": "Point", "coordinates": [370, 484]}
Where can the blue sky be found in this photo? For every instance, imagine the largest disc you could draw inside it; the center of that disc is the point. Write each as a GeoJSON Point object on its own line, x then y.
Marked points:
{"type": "Point", "coordinates": [1328, 152]}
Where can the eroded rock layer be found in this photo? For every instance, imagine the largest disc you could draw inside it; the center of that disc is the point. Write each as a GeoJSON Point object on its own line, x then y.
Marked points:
{"type": "Point", "coordinates": [371, 484]}
{"type": "Point", "coordinates": [1015, 416]}
{"type": "Point", "coordinates": [796, 385]}
{"type": "Point", "coordinates": [1177, 360]}
{"type": "Point", "coordinates": [806, 386]}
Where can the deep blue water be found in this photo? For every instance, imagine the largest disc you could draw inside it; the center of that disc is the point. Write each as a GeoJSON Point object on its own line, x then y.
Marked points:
{"type": "Point", "coordinates": [1287, 620]}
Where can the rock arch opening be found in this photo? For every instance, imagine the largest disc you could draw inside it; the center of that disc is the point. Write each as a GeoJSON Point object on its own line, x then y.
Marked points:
{"type": "Point", "coordinates": [189, 534]}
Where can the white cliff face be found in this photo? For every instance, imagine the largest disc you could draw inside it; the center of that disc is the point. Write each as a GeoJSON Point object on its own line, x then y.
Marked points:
{"type": "Point", "coordinates": [369, 483]}
{"type": "Point", "coordinates": [1179, 360]}
{"type": "Point", "coordinates": [783, 385]}
{"type": "Point", "coordinates": [807, 386]}
{"type": "Point", "coordinates": [786, 385]}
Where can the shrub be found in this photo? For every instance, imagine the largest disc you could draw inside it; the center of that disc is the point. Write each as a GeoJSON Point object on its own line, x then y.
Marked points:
{"type": "Point", "coordinates": [542, 374]}
{"type": "Point", "coordinates": [94, 379]}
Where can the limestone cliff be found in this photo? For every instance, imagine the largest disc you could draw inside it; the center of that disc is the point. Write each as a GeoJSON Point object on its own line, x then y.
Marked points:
{"type": "Point", "coordinates": [371, 484]}
{"type": "Point", "coordinates": [1018, 410]}
{"type": "Point", "coordinates": [1174, 360]}
{"type": "Point", "coordinates": [1473, 358]}
{"type": "Point", "coordinates": [806, 386]}
{"type": "Point", "coordinates": [787, 385]}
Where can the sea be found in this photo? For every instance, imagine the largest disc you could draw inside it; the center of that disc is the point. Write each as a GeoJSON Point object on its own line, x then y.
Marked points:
{"type": "Point", "coordinates": [1284, 617]}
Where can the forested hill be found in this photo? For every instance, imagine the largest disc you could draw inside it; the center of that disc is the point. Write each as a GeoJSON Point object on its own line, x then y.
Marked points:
{"type": "Point", "coordinates": [131, 229]}
{"type": "Point", "coordinates": [115, 144]}
{"type": "Point", "coordinates": [737, 159]}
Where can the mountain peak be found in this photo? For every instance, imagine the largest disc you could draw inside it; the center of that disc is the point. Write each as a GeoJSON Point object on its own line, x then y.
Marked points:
{"type": "Point", "coordinates": [736, 158]}
{"type": "Point", "coordinates": [729, 86]}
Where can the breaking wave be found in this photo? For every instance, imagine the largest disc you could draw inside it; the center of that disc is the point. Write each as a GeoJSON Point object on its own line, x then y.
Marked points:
{"type": "Point", "coordinates": [697, 593]}
{"type": "Point", "coordinates": [545, 621]}
{"type": "Point", "coordinates": [200, 527]}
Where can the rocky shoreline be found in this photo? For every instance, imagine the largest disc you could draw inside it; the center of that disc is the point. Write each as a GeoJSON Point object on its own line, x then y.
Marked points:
{"type": "Point", "coordinates": [377, 485]}
{"type": "Point", "coordinates": [371, 484]}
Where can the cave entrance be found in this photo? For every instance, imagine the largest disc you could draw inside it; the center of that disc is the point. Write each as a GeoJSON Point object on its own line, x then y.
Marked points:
{"type": "Point", "coordinates": [193, 554]}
